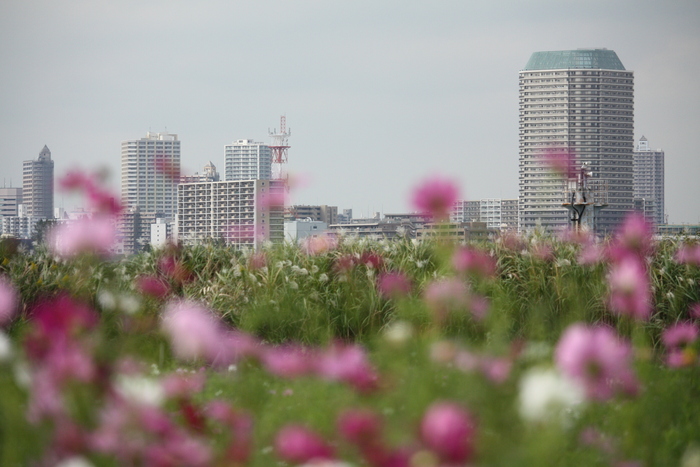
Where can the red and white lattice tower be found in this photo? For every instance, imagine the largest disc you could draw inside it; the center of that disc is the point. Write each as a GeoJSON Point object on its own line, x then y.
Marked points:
{"type": "Point", "coordinates": [279, 148]}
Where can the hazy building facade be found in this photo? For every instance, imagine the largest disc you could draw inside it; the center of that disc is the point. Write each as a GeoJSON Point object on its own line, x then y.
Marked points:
{"type": "Point", "coordinates": [649, 179]}
{"type": "Point", "coordinates": [209, 174]}
{"type": "Point", "coordinates": [150, 173]}
{"type": "Point", "coordinates": [37, 186]}
{"type": "Point", "coordinates": [579, 102]}
{"type": "Point", "coordinates": [10, 199]}
{"type": "Point", "coordinates": [248, 160]}
{"type": "Point", "coordinates": [236, 212]}
{"type": "Point", "coordinates": [321, 213]}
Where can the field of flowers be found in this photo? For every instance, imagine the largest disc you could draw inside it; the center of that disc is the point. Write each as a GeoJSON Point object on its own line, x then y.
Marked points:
{"type": "Point", "coordinates": [539, 350]}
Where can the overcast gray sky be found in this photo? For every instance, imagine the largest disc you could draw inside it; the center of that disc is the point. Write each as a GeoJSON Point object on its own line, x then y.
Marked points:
{"type": "Point", "coordinates": [378, 94]}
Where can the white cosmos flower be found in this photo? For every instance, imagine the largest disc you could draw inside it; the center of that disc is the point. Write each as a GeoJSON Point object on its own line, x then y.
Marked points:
{"type": "Point", "coordinates": [546, 394]}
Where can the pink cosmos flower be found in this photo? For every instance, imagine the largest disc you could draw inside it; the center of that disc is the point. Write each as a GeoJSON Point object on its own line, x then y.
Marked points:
{"type": "Point", "coordinates": [347, 364]}
{"type": "Point", "coordinates": [393, 285]}
{"type": "Point", "coordinates": [679, 340]}
{"type": "Point", "coordinates": [630, 289]}
{"type": "Point", "coordinates": [448, 430]}
{"type": "Point", "coordinates": [320, 244]}
{"type": "Point", "coordinates": [296, 444]}
{"type": "Point", "coordinates": [597, 359]}
{"type": "Point", "coordinates": [634, 237]}
{"type": "Point", "coordinates": [688, 254]}
{"type": "Point", "coordinates": [591, 254]}
{"type": "Point", "coordinates": [543, 252]}
{"type": "Point", "coordinates": [152, 286]}
{"type": "Point", "coordinates": [8, 301]}
{"type": "Point", "coordinates": [287, 361]}
{"type": "Point", "coordinates": [100, 200]}
{"type": "Point", "coordinates": [561, 161]}
{"type": "Point", "coordinates": [512, 241]}
{"type": "Point", "coordinates": [193, 330]}
{"type": "Point", "coordinates": [445, 295]}
{"type": "Point", "coordinates": [372, 260]}
{"type": "Point", "coordinates": [360, 426]}
{"type": "Point", "coordinates": [435, 196]}
{"type": "Point", "coordinates": [88, 235]}
{"type": "Point", "coordinates": [471, 261]}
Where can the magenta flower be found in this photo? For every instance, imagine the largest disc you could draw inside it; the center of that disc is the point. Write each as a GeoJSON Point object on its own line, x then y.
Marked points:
{"type": "Point", "coordinates": [634, 237]}
{"type": "Point", "coordinates": [449, 431]}
{"type": "Point", "coordinates": [287, 361]}
{"type": "Point", "coordinates": [393, 285]}
{"type": "Point", "coordinates": [88, 235]}
{"type": "Point", "coordinates": [688, 254]}
{"type": "Point", "coordinates": [446, 295]}
{"type": "Point", "coordinates": [347, 364]}
{"type": "Point", "coordinates": [597, 359]}
{"type": "Point", "coordinates": [436, 197]}
{"type": "Point", "coordinates": [8, 301]}
{"type": "Point", "coordinates": [471, 261]}
{"type": "Point", "coordinates": [152, 286]}
{"type": "Point", "coordinates": [296, 444]}
{"type": "Point", "coordinates": [560, 160]}
{"type": "Point", "coordinates": [193, 331]}
{"type": "Point", "coordinates": [630, 289]}
{"type": "Point", "coordinates": [360, 426]}
{"type": "Point", "coordinates": [679, 340]}
{"type": "Point", "coordinates": [100, 201]}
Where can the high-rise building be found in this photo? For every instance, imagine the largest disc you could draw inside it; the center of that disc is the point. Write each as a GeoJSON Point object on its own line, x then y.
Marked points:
{"type": "Point", "coordinates": [649, 178]}
{"type": "Point", "coordinates": [37, 186]}
{"type": "Point", "coordinates": [248, 160]}
{"type": "Point", "coordinates": [150, 173]}
{"type": "Point", "coordinates": [10, 199]}
{"type": "Point", "coordinates": [578, 102]}
{"type": "Point", "coordinates": [238, 212]}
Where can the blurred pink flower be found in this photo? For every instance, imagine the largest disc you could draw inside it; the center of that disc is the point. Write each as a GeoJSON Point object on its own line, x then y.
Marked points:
{"type": "Point", "coordinates": [257, 260]}
{"type": "Point", "coordinates": [344, 263]}
{"type": "Point", "coordinates": [449, 431]}
{"type": "Point", "coordinates": [512, 241]}
{"type": "Point", "coordinates": [287, 361]}
{"type": "Point", "coordinates": [435, 196]}
{"type": "Point", "coordinates": [183, 385]}
{"type": "Point", "coordinates": [193, 331]}
{"type": "Point", "coordinates": [319, 244]}
{"type": "Point", "coordinates": [561, 161]}
{"type": "Point", "coordinates": [347, 364]}
{"type": "Point", "coordinates": [88, 235]}
{"type": "Point", "coordinates": [694, 310]}
{"type": "Point", "coordinates": [296, 444]}
{"type": "Point", "coordinates": [153, 286]}
{"type": "Point", "coordinates": [634, 237]}
{"type": "Point", "coordinates": [543, 252]}
{"type": "Point", "coordinates": [471, 261]}
{"type": "Point", "coordinates": [688, 254]}
{"type": "Point", "coordinates": [393, 285]}
{"type": "Point", "coordinates": [597, 359]}
{"type": "Point", "coordinates": [446, 295]}
{"type": "Point", "coordinates": [630, 289]}
{"type": "Point", "coordinates": [100, 200]}
{"type": "Point", "coordinates": [679, 340]}
{"type": "Point", "coordinates": [579, 236]}
{"type": "Point", "coordinates": [372, 260]}
{"type": "Point", "coordinates": [360, 426]}
{"type": "Point", "coordinates": [8, 301]}
{"type": "Point", "coordinates": [591, 254]}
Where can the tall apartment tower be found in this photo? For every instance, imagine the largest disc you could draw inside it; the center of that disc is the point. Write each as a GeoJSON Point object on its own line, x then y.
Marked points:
{"type": "Point", "coordinates": [37, 186]}
{"type": "Point", "coordinates": [580, 102]}
{"type": "Point", "coordinates": [248, 160]}
{"type": "Point", "coordinates": [649, 178]}
{"type": "Point", "coordinates": [150, 173]}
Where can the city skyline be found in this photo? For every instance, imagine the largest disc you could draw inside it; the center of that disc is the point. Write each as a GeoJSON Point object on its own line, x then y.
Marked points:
{"type": "Point", "coordinates": [378, 95]}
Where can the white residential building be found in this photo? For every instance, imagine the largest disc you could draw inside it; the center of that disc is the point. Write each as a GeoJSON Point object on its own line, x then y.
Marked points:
{"type": "Point", "coordinates": [150, 173]}
{"type": "Point", "coordinates": [10, 199]}
{"type": "Point", "coordinates": [579, 102]}
{"type": "Point", "coordinates": [300, 229]}
{"type": "Point", "coordinates": [248, 160]}
{"type": "Point", "coordinates": [237, 212]}
{"type": "Point", "coordinates": [649, 179]}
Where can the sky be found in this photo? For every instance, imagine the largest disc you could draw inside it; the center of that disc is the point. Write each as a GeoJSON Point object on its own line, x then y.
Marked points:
{"type": "Point", "coordinates": [378, 94]}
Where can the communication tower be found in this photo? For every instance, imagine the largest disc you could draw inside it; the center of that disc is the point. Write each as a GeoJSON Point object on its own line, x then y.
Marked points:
{"type": "Point", "coordinates": [584, 197]}
{"type": "Point", "coordinates": [279, 147]}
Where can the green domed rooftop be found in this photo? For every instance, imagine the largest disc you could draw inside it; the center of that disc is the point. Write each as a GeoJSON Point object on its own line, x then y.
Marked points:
{"type": "Point", "coordinates": [581, 58]}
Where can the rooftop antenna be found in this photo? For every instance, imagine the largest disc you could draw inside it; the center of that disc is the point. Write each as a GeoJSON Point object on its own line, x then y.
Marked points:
{"type": "Point", "coordinates": [279, 147]}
